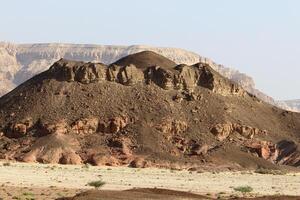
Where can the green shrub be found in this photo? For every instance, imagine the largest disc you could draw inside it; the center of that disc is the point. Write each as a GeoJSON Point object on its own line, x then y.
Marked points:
{"type": "Point", "coordinates": [243, 189]}
{"type": "Point", "coordinates": [96, 184]}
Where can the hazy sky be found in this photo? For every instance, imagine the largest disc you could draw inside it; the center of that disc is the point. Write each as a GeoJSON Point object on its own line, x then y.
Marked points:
{"type": "Point", "coordinates": [258, 37]}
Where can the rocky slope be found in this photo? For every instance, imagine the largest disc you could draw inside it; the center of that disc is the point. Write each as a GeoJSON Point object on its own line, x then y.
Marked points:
{"type": "Point", "coordinates": [144, 110]}
{"type": "Point", "coordinates": [19, 62]}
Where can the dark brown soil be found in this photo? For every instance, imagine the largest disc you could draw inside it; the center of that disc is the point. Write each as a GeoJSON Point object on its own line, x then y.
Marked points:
{"type": "Point", "coordinates": [141, 121]}
{"type": "Point", "coordinates": [136, 194]}
{"type": "Point", "coordinates": [146, 59]}
{"type": "Point", "coordinates": [147, 193]}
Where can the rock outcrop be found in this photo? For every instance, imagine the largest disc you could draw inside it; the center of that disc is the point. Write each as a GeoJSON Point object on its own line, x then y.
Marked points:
{"type": "Point", "coordinates": [181, 77]}
{"type": "Point", "coordinates": [283, 153]}
{"type": "Point", "coordinates": [224, 130]}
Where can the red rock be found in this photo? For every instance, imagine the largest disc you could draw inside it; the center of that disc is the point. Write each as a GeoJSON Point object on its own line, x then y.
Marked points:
{"type": "Point", "coordinates": [85, 126]}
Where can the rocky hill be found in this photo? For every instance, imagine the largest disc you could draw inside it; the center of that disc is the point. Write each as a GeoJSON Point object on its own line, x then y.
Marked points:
{"type": "Point", "coordinates": [19, 62]}
{"type": "Point", "coordinates": [142, 111]}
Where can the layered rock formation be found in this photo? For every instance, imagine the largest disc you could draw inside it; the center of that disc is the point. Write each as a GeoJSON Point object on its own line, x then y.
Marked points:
{"type": "Point", "coordinates": [293, 105]}
{"type": "Point", "coordinates": [143, 111]}
{"type": "Point", "coordinates": [19, 62]}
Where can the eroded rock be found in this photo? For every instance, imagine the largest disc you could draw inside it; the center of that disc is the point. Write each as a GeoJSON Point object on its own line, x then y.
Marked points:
{"type": "Point", "coordinates": [54, 148]}
{"type": "Point", "coordinates": [223, 130]}
{"type": "Point", "coordinates": [172, 126]}
{"type": "Point", "coordinates": [60, 127]}
{"type": "Point", "coordinates": [85, 125]}
{"type": "Point", "coordinates": [19, 129]}
{"type": "Point", "coordinates": [130, 75]}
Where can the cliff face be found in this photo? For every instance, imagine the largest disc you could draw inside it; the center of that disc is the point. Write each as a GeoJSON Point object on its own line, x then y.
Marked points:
{"type": "Point", "coordinates": [19, 62]}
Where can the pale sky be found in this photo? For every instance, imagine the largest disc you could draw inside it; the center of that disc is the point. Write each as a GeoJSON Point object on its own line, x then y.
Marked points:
{"type": "Point", "coordinates": [258, 37]}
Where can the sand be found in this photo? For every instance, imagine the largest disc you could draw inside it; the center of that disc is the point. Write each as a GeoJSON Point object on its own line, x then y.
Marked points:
{"type": "Point", "coordinates": [74, 178]}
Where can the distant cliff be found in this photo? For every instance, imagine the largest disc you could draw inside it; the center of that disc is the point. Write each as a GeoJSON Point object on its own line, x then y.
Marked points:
{"type": "Point", "coordinates": [19, 62]}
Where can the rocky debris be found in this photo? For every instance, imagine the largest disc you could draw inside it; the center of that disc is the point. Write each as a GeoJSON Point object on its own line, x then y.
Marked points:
{"type": "Point", "coordinates": [54, 148]}
{"type": "Point", "coordinates": [263, 149]}
{"type": "Point", "coordinates": [138, 163]}
{"type": "Point", "coordinates": [288, 153]}
{"type": "Point", "coordinates": [59, 127]}
{"type": "Point", "coordinates": [85, 125]}
{"type": "Point", "coordinates": [223, 130]}
{"type": "Point", "coordinates": [283, 153]}
{"type": "Point", "coordinates": [120, 152]}
{"type": "Point", "coordinates": [19, 129]}
{"type": "Point", "coordinates": [114, 124]}
{"type": "Point", "coordinates": [170, 126]}
{"type": "Point", "coordinates": [105, 160]}
{"type": "Point", "coordinates": [121, 146]}
{"type": "Point", "coordinates": [173, 131]}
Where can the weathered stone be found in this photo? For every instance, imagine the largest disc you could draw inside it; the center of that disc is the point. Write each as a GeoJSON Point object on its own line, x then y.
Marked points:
{"type": "Point", "coordinates": [65, 70]}
{"type": "Point", "coordinates": [187, 78]}
{"type": "Point", "coordinates": [172, 127]}
{"type": "Point", "coordinates": [130, 75]}
{"type": "Point", "coordinates": [85, 126]}
{"type": "Point", "coordinates": [90, 72]}
{"type": "Point", "coordinates": [117, 123]}
{"type": "Point", "coordinates": [59, 127]}
{"type": "Point", "coordinates": [222, 131]}
{"type": "Point", "coordinates": [162, 77]}
{"type": "Point", "coordinates": [112, 73]}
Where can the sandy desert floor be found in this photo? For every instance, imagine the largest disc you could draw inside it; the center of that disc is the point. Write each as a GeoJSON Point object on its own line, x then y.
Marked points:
{"type": "Point", "coordinates": [43, 181]}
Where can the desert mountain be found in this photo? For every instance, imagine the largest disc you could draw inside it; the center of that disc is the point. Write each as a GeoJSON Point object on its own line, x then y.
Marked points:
{"type": "Point", "coordinates": [144, 110]}
{"type": "Point", "coordinates": [293, 105]}
{"type": "Point", "coordinates": [19, 62]}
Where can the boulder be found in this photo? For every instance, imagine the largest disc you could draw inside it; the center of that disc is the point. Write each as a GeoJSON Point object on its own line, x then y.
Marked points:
{"type": "Point", "coordinates": [171, 126]}
{"type": "Point", "coordinates": [263, 149]}
{"type": "Point", "coordinates": [138, 163]}
{"type": "Point", "coordinates": [117, 123]}
{"type": "Point", "coordinates": [105, 160]}
{"type": "Point", "coordinates": [90, 72]}
{"type": "Point", "coordinates": [222, 131]}
{"type": "Point", "coordinates": [162, 77]}
{"type": "Point", "coordinates": [85, 125]}
{"type": "Point", "coordinates": [65, 70]}
{"type": "Point", "coordinates": [112, 73]}
{"type": "Point", "coordinates": [59, 127]}
{"type": "Point", "coordinates": [288, 153]}
{"type": "Point", "coordinates": [187, 78]}
{"type": "Point", "coordinates": [130, 75]}
{"type": "Point", "coordinates": [55, 149]}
